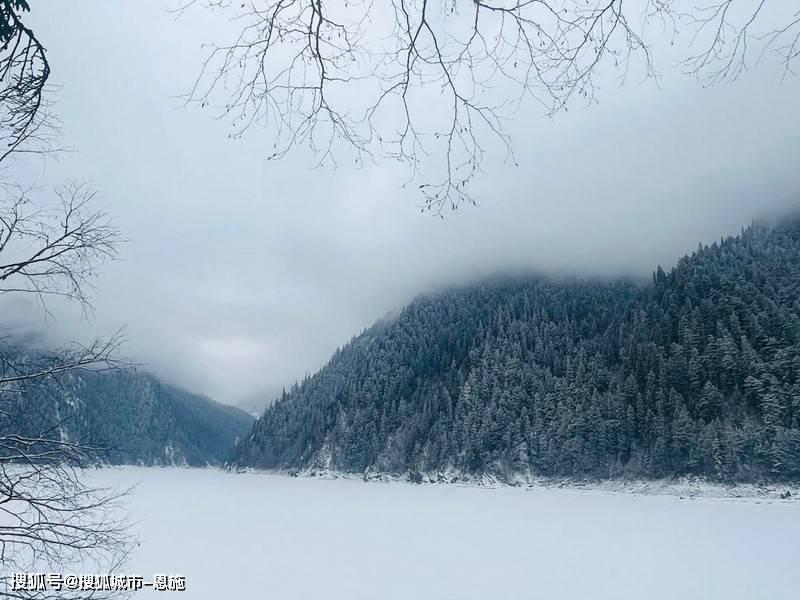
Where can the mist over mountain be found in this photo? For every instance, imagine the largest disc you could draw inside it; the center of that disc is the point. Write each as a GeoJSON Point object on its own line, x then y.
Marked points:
{"type": "Point", "coordinates": [696, 372]}
{"type": "Point", "coordinates": [126, 417]}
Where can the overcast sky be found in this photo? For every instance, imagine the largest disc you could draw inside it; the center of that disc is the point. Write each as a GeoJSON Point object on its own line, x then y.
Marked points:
{"type": "Point", "coordinates": [241, 275]}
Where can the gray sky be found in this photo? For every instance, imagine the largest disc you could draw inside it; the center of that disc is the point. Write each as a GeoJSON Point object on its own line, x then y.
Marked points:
{"type": "Point", "coordinates": [241, 275]}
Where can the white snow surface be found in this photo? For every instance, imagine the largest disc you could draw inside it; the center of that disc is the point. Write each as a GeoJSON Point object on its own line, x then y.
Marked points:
{"type": "Point", "coordinates": [258, 535]}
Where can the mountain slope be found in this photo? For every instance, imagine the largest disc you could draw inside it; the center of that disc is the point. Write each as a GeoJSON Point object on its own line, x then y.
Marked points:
{"type": "Point", "coordinates": [133, 417]}
{"type": "Point", "coordinates": [695, 373]}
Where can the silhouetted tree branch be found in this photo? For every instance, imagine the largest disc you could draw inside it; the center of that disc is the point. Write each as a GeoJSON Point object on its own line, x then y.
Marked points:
{"type": "Point", "coordinates": [53, 249]}
{"type": "Point", "coordinates": [51, 243]}
{"type": "Point", "coordinates": [50, 518]}
{"type": "Point", "coordinates": [26, 123]}
{"type": "Point", "coordinates": [432, 85]}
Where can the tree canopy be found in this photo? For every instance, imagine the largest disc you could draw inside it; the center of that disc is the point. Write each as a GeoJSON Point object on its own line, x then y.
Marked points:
{"type": "Point", "coordinates": [697, 373]}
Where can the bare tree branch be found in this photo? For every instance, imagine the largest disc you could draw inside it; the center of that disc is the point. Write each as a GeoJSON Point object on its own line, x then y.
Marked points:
{"type": "Point", "coordinates": [101, 354]}
{"type": "Point", "coordinates": [26, 123]}
{"type": "Point", "coordinates": [53, 250]}
{"type": "Point", "coordinates": [51, 520]}
{"type": "Point", "coordinates": [50, 246]}
{"type": "Point", "coordinates": [433, 86]}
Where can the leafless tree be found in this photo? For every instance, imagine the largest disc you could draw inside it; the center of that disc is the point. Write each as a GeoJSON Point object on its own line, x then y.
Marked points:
{"type": "Point", "coordinates": [51, 243]}
{"type": "Point", "coordinates": [730, 36]}
{"type": "Point", "coordinates": [26, 121]}
{"type": "Point", "coordinates": [50, 518]}
{"type": "Point", "coordinates": [52, 250]}
{"type": "Point", "coordinates": [52, 521]}
{"type": "Point", "coordinates": [431, 84]}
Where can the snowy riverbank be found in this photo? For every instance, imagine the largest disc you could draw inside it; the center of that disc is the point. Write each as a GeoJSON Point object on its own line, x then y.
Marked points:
{"type": "Point", "coordinates": [684, 487]}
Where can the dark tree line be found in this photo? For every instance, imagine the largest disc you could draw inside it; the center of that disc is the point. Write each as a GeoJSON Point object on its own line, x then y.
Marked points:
{"type": "Point", "coordinates": [120, 417]}
{"type": "Point", "coordinates": [697, 372]}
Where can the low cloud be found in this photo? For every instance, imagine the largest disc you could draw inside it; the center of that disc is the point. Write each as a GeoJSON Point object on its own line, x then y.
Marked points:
{"type": "Point", "coordinates": [242, 275]}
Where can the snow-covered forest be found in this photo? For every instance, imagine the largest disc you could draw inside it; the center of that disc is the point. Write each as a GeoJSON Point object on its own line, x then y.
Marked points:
{"type": "Point", "coordinates": [697, 372]}
{"type": "Point", "coordinates": [362, 300]}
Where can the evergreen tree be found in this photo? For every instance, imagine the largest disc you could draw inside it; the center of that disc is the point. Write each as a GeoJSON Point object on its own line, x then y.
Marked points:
{"type": "Point", "coordinates": [697, 372]}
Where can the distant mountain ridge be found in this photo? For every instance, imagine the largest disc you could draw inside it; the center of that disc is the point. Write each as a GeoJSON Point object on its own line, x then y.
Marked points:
{"type": "Point", "coordinates": [697, 373]}
{"type": "Point", "coordinates": [132, 417]}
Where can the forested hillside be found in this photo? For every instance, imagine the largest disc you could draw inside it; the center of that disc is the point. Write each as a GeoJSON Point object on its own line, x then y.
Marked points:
{"type": "Point", "coordinates": [697, 372]}
{"type": "Point", "coordinates": [129, 417]}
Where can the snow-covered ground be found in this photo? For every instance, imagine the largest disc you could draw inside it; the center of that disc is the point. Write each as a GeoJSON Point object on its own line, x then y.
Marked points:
{"type": "Point", "coordinates": [267, 536]}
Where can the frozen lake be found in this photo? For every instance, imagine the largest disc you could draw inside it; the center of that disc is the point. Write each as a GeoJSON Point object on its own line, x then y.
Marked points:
{"type": "Point", "coordinates": [264, 536]}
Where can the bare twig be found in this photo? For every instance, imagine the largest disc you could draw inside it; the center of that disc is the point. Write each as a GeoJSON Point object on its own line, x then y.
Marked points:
{"type": "Point", "coordinates": [26, 123]}
{"type": "Point", "coordinates": [431, 85]}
